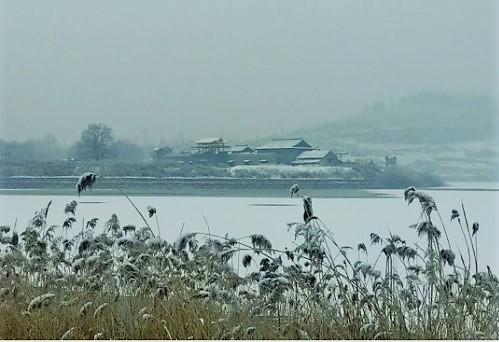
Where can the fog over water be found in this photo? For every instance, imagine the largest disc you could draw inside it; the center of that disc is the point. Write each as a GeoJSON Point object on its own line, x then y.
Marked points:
{"type": "Point", "coordinates": [178, 70]}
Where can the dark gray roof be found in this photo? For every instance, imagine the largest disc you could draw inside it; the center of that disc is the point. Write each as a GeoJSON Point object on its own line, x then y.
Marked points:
{"type": "Point", "coordinates": [314, 154]}
{"type": "Point", "coordinates": [286, 143]}
{"type": "Point", "coordinates": [209, 140]}
{"type": "Point", "coordinates": [240, 148]}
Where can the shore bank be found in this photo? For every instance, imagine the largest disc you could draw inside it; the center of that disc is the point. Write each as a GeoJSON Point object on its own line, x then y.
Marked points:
{"type": "Point", "coordinates": [182, 183]}
{"type": "Point", "coordinates": [188, 186]}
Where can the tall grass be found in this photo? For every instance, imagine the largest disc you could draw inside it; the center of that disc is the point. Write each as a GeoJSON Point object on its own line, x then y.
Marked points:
{"type": "Point", "coordinates": [122, 282]}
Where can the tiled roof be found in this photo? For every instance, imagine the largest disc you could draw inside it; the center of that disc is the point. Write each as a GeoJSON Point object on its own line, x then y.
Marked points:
{"type": "Point", "coordinates": [241, 148]}
{"type": "Point", "coordinates": [314, 154]}
{"type": "Point", "coordinates": [285, 143]}
{"type": "Point", "coordinates": [209, 140]}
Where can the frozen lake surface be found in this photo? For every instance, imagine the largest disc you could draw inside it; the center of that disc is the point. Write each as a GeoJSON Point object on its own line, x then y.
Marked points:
{"type": "Point", "coordinates": [351, 219]}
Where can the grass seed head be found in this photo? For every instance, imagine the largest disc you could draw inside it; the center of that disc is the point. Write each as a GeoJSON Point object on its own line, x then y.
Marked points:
{"type": "Point", "coordinates": [362, 247]}
{"type": "Point", "coordinates": [303, 335]}
{"type": "Point", "coordinates": [70, 208]}
{"type": "Point", "coordinates": [92, 223]}
{"type": "Point", "coordinates": [46, 211]}
{"type": "Point", "coordinates": [476, 226]}
{"type": "Point", "coordinates": [84, 245]}
{"type": "Point", "coordinates": [427, 228]}
{"type": "Point", "coordinates": [426, 201]}
{"type": "Point", "coordinates": [68, 334]}
{"type": "Point", "coordinates": [142, 311]}
{"type": "Point", "coordinates": [98, 311]}
{"type": "Point", "coordinates": [156, 243]}
{"type": "Point", "coordinates": [247, 260]}
{"type": "Point", "coordinates": [454, 214]}
{"type": "Point", "coordinates": [249, 332]}
{"type": "Point", "coordinates": [146, 317]}
{"type": "Point", "coordinates": [15, 239]}
{"type": "Point", "coordinates": [86, 181]}
{"type": "Point", "coordinates": [68, 223]}
{"type": "Point", "coordinates": [308, 213]}
{"type": "Point", "coordinates": [67, 303]}
{"type": "Point", "coordinates": [375, 239]}
{"type": "Point", "coordinates": [151, 211]}
{"type": "Point", "coordinates": [84, 309]}
{"type": "Point", "coordinates": [113, 224]}
{"type": "Point", "coordinates": [129, 228]}
{"type": "Point", "coordinates": [40, 300]}
{"type": "Point", "coordinates": [448, 256]}
{"type": "Point", "coordinates": [77, 265]}
{"type": "Point", "coordinates": [99, 336]}
{"type": "Point", "coordinates": [260, 242]}
{"type": "Point", "coordinates": [409, 194]}
{"type": "Point", "coordinates": [183, 241]}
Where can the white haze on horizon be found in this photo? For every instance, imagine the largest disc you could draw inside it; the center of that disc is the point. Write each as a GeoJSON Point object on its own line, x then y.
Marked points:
{"type": "Point", "coordinates": [172, 71]}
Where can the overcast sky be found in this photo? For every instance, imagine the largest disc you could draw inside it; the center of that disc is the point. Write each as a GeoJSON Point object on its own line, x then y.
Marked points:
{"type": "Point", "coordinates": [161, 70]}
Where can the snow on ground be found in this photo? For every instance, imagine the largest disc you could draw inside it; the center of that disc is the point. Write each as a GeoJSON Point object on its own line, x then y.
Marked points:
{"type": "Point", "coordinates": [287, 171]}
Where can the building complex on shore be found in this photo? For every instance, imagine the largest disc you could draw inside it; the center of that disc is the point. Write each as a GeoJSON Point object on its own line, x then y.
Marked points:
{"type": "Point", "coordinates": [290, 151]}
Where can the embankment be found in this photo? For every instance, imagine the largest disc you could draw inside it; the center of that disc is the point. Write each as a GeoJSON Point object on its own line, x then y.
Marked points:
{"type": "Point", "coordinates": [172, 184]}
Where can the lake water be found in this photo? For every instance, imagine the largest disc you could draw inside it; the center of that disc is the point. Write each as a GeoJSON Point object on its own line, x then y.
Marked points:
{"type": "Point", "coordinates": [351, 219]}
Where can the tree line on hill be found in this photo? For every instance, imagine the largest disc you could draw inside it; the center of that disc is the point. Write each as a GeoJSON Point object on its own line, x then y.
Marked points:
{"type": "Point", "coordinates": [423, 118]}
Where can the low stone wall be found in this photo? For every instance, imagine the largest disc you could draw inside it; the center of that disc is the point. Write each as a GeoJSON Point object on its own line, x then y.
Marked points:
{"type": "Point", "coordinates": [180, 183]}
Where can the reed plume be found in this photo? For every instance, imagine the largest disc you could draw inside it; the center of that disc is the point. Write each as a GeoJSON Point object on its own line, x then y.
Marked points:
{"type": "Point", "coordinates": [295, 188]}
{"type": "Point", "coordinates": [86, 181]}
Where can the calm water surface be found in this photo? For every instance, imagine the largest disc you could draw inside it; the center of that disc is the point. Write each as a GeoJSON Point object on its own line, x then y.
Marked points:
{"type": "Point", "coordinates": [351, 219]}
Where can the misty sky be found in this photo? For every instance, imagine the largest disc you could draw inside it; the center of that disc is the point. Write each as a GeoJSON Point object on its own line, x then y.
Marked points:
{"type": "Point", "coordinates": [163, 70]}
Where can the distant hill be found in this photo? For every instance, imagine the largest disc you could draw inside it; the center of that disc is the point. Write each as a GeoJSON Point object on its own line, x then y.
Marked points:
{"type": "Point", "coordinates": [455, 135]}
{"type": "Point", "coordinates": [423, 118]}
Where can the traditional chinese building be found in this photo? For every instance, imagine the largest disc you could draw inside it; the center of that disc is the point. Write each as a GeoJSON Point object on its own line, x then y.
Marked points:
{"type": "Point", "coordinates": [317, 157]}
{"type": "Point", "coordinates": [210, 145]}
{"type": "Point", "coordinates": [286, 150]}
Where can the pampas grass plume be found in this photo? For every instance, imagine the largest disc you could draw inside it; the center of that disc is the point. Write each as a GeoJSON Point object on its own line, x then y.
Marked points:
{"type": "Point", "coordinates": [99, 310]}
{"type": "Point", "coordinates": [67, 335]}
{"type": "Point", "coordinates": [295, 188]}
{"type": "Point", "coordinates": [84, 309]}
{"type": "Point", "coordinates": [99, 336]}
{"type": "Point", "coordinates": [86, 181]}
{"type": "Point", "coordinates": [151, 211]}
{"type": "Point", "coordinates": [476, 226]}
{"type": "Point", "coordinates": [38, 301]}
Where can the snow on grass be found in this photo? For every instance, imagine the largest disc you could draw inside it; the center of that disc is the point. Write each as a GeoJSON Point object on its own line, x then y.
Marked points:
{"type": "Point", "coordinates": [290, 171]}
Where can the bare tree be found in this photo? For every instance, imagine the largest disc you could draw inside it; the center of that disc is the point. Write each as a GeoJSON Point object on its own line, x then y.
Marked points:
{"type": "Point", "coordinates": [97, 139]}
